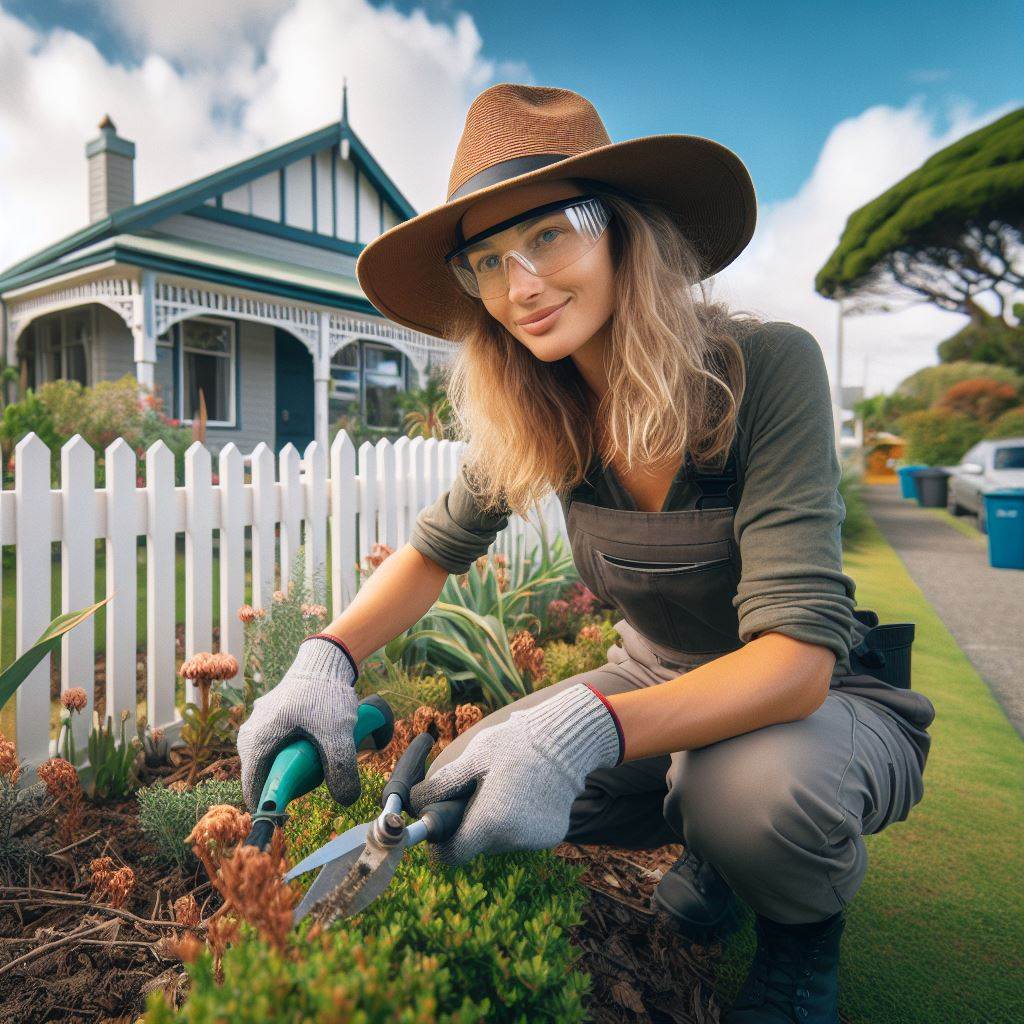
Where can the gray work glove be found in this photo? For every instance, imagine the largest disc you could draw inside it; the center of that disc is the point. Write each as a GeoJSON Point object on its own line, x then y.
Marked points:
{"type": "Point", "coordinates": [524, 774]}
{"type": "Point", "coordinates": [315, 700]}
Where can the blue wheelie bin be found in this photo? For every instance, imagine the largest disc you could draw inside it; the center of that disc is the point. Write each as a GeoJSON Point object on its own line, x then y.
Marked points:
{"type": "Point", "coordinates": [1004, 512]}
{"type": "Point", "coordinates": [906, 475]}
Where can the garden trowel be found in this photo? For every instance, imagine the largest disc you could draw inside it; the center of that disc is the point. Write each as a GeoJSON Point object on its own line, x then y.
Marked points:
{"type": "Point", "coordinates": [357, 866]}
{"type": "Point", "coordinates": [297, 770]}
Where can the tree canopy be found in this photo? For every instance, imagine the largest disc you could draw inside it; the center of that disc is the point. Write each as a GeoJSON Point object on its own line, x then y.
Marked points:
{"type": "Point", "coordinates": [947, 232]}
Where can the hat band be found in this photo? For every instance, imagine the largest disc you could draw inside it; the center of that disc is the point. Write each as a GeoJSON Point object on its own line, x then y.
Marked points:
{"type": "Point", "coordinates": [506, 169]}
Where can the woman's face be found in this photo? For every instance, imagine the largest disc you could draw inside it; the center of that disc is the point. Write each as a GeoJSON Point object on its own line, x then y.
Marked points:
{"type": "Point", "coordinates": [585, 288]}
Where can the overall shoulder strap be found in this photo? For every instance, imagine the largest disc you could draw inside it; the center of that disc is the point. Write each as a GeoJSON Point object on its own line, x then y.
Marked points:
{"type": "Point", "coordinates": [719, 489]}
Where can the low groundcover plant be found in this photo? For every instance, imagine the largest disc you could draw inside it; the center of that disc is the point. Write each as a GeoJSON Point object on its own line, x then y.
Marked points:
{"type": "Point", "coordinates": [485, 941]}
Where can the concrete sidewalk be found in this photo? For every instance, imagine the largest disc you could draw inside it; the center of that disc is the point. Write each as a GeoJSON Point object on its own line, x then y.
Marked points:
{"type": "Point", "coordinates": [982, 607]}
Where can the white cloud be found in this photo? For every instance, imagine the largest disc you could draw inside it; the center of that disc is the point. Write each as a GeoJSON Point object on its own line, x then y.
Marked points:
{"type": "Point", "coordinates": [189, 31]}
{"type": "Point", "coordinates": [276, 74]}
{"type": "Point", "coordinates": [861, 158]}
{"type": "Point", "coordinates": [410, 81]}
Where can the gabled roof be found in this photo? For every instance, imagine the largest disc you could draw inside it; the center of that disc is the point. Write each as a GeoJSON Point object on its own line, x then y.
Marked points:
{"type": "Point", "coordinates": [140, 216]}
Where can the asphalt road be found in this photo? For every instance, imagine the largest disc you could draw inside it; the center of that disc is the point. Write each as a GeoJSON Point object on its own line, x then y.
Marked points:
{"type": "Point", "coordinates": [982, 607]}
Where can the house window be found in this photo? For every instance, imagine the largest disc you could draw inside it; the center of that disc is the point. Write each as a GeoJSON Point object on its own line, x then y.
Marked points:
{"type": "Point", "coordinates": [208, 363]}
{"type": "Point", "coordinates": [385, 371]}
{"type": "Point", "coordinates": [58, 347]}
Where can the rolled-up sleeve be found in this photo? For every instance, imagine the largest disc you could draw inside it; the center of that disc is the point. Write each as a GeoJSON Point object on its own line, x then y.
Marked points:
{"type": "Point", "coordinates": [789, 516]}
{"type": "Point", "coordinates": [453, 531]}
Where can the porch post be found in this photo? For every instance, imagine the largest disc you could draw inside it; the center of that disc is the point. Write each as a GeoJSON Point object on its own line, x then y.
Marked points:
{"type": "Point", "coordinates": [321, 382]}
{"type": "Point", "coordinates": [144, 333]}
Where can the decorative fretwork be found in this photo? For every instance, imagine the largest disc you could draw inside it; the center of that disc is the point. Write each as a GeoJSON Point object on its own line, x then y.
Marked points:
{"type": "Point", "coordinates": [420, 348]}
{"type": "Point", "coordinates": [176, 302]}
{"type": "Point", "coordinates": [117, 293]}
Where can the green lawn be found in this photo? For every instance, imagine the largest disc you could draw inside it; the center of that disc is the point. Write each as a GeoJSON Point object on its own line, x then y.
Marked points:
{"type": "Point", "coordinates": [935, 934]}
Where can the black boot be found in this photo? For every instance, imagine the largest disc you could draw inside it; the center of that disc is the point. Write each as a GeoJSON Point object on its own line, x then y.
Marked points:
{"type": "Point", "coordinates": [697, 899]}
{"type": "Point", "coordinates": [794, 977]}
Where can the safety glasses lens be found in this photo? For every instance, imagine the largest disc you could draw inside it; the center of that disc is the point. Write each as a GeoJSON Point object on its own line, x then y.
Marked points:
{"type": "Point", "coordinates": [542, 245]}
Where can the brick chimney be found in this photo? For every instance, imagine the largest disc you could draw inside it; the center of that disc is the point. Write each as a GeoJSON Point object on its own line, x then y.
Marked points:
{"type": "Point", "coordinates": [111, 162]}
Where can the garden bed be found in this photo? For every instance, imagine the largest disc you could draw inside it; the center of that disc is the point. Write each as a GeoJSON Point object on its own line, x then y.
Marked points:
{"type": "Point", "coordinates": [69, 955]}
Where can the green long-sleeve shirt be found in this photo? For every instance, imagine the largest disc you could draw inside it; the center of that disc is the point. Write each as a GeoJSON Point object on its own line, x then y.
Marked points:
{"type": "Point", "coordinates": [787, 522]}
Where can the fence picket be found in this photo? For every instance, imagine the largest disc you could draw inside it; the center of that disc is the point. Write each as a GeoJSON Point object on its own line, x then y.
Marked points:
{"type": "Point", "coordinates": [78, 576]}
{"type": "Point", "coordinates": [231, 474]}
{"type": "Point", "coordinates": [198, 556]}
{"type": "Point", "coordinates": [33, 567]}
{"type": "Point", "coordinates": [339, 501]}
{"type": "Point", "coordinates": [161, 596]}
{"type": "Point", "coordinates": [122, 531]}
{"type": "Point", "coordinates": [289, 470]}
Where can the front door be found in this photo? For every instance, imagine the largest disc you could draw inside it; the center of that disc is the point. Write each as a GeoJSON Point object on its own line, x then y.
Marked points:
{"type": "Point", "coordinates": [293, 374]}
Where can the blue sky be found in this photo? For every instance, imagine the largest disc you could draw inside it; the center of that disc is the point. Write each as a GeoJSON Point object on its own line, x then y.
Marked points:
{"type": "Point", "coordinates": [827, 104]}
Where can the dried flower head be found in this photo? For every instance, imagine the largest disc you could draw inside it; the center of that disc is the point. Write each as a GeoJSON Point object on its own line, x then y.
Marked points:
{"type": "Point", "coordinates": [10, 769]}
{"type": "Point", "coordinates": [120, 885]}
{"type": "Point", "coordinates": [74, 699]}
{"type": "Point", "coordinates": [186, 911]}
{"type": "Point", "coordinates": [279, 596]}
{"type": "Point", "coordinates": [591, 634]}
{"type": "Point", "coordinates": [247, 613]}
{"type": "Point", "coordinates": [222, 825]}
{"type": "Point", "coordinates": [196, 667]}
{"type": "Point", "coordinates": [59, 777]}
{"type": "Point", "coordinates": [156, 735]}
{"type": "Point", "coordinates": [100, 870]}
{"type": "Point", "coordinates": [466, 716]}
{"type": "Point", "coordinates": [314, 610]}
{"type": "Point", "coordinates": [251, 881]}
{"type": "Point", "coordinates": [186, 947]}
{"type": "Point", "coordinates": [422, 719]}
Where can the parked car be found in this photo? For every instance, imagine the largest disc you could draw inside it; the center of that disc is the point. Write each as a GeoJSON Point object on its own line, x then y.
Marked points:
{"type": "Point", "coordinates": [985, 467]}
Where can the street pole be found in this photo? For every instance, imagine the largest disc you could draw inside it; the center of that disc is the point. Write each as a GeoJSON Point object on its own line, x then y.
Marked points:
{"type": "Point", "coordinates": [838, 382]}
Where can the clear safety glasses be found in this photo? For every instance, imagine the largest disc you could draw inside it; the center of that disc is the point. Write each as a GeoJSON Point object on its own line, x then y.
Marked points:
{"type": "Point", "coordinates": [544, 240]}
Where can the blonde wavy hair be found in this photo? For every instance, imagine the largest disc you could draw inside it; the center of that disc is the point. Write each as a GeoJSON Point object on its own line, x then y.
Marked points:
{"type": "Point", "coordinates": [675, 370]}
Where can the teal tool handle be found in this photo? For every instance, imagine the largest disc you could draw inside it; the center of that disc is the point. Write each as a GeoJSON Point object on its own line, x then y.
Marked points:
{"type": "Point", "coordinates": [297, 770]}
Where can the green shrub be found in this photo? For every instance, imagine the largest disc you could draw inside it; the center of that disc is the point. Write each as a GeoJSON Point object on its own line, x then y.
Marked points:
{"type": "Point", "coordinates": [938, 438]}
{"type": "Point", "coordinates": [931, 383]}
{"type": "Point", "coordinates": [1010, 424]}
{"type": "Point", "coordinates": [881, 412]}
{"type": "Point", "coordinates": [272, 642]}
{"type": "Point", "coordinates": [167, 816]}
{"type": "Point", "coordinates": [980, 398]}
{"type": "Point", "coordinates": [855, 525]}
{"type": "Point", "coordinates": [485, 941]}
{"type": "Point", "coordinates": [590, 651]}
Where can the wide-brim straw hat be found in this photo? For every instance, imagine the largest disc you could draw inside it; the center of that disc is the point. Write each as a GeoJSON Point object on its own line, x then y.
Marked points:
{"type": "Point", "coordinates": [520, 134]}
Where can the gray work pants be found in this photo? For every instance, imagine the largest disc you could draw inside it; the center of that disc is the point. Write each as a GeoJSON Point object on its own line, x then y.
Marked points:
{"type": "Point", "coordinates": [780, 811]}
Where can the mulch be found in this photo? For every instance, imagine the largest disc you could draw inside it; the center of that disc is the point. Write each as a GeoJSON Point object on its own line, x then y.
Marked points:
{"type": "Point", "coordinates": [65, 956]}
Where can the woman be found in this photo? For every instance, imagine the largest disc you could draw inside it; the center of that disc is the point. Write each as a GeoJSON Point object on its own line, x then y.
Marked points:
{"type": "Point", "coordinates": [693, 454]}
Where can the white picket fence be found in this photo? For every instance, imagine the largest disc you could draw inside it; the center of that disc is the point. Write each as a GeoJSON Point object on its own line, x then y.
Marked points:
{"type": "Point", "coordinates": [385, 488]}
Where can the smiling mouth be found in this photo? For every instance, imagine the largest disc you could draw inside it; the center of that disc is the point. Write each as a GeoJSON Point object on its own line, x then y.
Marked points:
{"type": "Point", "coordinates": [540, 316]}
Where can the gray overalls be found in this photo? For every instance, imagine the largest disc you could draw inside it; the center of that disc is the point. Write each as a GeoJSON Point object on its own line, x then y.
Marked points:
{"type": "Point", "coordinates": [779, 811]}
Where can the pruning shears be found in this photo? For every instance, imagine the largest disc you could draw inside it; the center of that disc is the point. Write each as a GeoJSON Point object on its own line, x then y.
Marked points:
{"type": "Point", "coordinates": [357, 866]}
{"type": "Point", "coordinates": [297, 770]}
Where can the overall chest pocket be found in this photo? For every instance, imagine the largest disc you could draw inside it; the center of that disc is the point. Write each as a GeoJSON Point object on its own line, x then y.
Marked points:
{"type": "Point", "coordinates": [683, 604]}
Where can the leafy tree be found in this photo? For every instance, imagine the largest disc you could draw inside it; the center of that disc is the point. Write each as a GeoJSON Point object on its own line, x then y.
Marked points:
{"type": "Point", "coordinates": [947, 233]}
{"type": "Point", "coordinates": [988, 340]}
{"type": "Point", "coordinates": [882, 412]}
